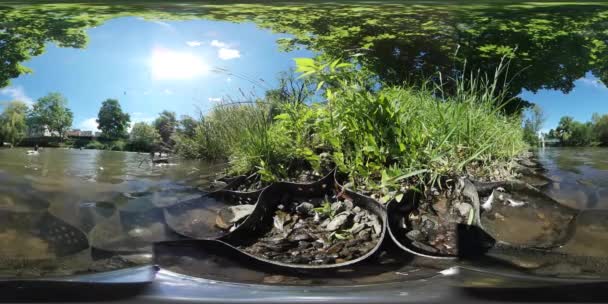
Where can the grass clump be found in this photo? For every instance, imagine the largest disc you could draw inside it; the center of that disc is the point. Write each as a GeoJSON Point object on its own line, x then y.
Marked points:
{"type": "Point", "coordinates": [382, 136]}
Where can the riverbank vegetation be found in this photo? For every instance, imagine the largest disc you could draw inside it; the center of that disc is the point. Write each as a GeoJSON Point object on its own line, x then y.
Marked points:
{"type": "Point", "coordinates": [380, 134]}
{"type": "Point", "coordinates": [574, 133]}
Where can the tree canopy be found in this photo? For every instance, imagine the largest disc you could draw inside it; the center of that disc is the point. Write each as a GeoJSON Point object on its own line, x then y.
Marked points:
{"type": "Point", "coordinates": [112, 121]}
{"type": "Point", "coordinates": [166, 124]}
{"type": "Point", "coordinates": [13, 125]}
{"type": "Point", "coordinates": [550, 44]}
{"type": "Point", "coordinates": [51, 112]}
{"type": "Point", "coordinates": [143, 137]}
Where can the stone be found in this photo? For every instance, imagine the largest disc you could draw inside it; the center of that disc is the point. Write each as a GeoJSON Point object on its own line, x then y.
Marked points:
{"type": "Point", "coordinates": [230, 215]}
{"type": "Point", "coordinates": [305, 209]}
{"type": "Point", "coordinates": [463, 209]}
{"type": "Point", "coordinates": [374, 222]}
{"type": "Point", "coordinates": [337, 207]}
{"type": "Point", "coordinates": [424, 247]}
{"type": "Point", "coordinates": [414, 235]}
{"type": "Point", "coordinates": [357, 209]}
{"type": "Point", "coordinates": [357, 227]}
{"type": "Point", "coordinates": [338, 221]}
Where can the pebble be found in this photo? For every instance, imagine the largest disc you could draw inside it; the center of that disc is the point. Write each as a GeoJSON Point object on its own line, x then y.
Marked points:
{"type": "Point", "coordinates": [424, 247]}
{"type": "Point", "coordinates": [414, 235]}
{"type": "Point", "coordinates": [338, 221]}
{"type": "Point", "coordinates": [463, 209]}
{"type": "Point", "coordinates": [305, 208]}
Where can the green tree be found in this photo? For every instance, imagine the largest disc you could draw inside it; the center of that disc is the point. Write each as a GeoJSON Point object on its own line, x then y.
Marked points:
{"type": "Point", "coordinates": [188, 126]}
{"type": "Point", "coordinates": [600, 128]}
{"type": "Point", "coordinates": [166, 124]}
{"type": "Point", "coordinates": [51, 112]}
{"type": "Point", "coordinates": [112, 121]}
{"type": "Point", "coordinates": [143, 137]}
{"type": "Point", "coordinates": [533, 124]}
{"type": "Point", "coordinates": [13, 125]}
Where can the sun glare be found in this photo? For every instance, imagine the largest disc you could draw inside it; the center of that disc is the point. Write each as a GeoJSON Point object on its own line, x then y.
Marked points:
{"type": "Point", "coordinates": [168, 64]}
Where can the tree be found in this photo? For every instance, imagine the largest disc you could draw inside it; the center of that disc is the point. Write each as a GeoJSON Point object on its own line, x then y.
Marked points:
{"type": "Point", "coordinates": [166, 124]}
{"type": "Point", "coordinates": [13, 125]}
{"type": "Point", "coordinates": [533, 124]}
{"type": "Point", "coordinates": [112, 121]}
{"type": "Point", "coordinates": [51, 112]}
{"type": "Point", "coordinates": [600, 128]}
{"type": "Point", "coordinates": [143, 137]}
{"type": "Point", "coordinates": [188, 126]}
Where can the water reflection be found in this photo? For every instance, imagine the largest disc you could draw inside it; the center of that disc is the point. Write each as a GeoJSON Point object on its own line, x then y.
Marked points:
{"type": "Point", "coordinates": [579, 175]}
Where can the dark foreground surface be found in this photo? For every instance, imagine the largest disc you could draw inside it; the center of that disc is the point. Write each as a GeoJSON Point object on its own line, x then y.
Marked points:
{"type": "Point", "coordinates": [169, 287]}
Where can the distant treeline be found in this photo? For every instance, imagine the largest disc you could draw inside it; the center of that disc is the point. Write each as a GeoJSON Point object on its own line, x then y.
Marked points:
{"type": "Point", "coordinates": [47, 121]}
{"type": "Point", "coordinates": [570, 132]}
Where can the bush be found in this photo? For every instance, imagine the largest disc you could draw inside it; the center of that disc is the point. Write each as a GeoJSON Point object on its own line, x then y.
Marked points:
{"type": "Point", "coordinates": [381, 135]}
{"type": "Point", "coordinates": [95, 145]}
{"type": "Point", "coordinates": [118, 145]}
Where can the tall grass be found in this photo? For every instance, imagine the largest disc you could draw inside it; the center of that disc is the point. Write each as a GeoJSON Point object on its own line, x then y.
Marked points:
{"type": "Point", "coordinates": [382, 136]}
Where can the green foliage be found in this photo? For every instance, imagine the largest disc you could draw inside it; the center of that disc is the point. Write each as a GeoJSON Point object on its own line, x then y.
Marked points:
{"type": "Point", "coordinates": [143, 137]}
{"type": "Point", "coordinates": [13, 122]}
{"type": "Point", "coordinates": [166, 125]}
{"type": "Point", "coordinates": [112, 121]}
{"type": "Point", "coordinates": [51, 111]}
{"type": "Point", "coordinates": [575, 133]}
{"type": "Point", "coordinates": [533, 124]}
{"type": "Point", "coordinates": [117, 145]}
{"type": "Point", "coordinates": [95, 145]}
{"type": "Point", "coordinates": [382, 135]}
{"type": "Point", "coordinates": [600, 128]}
{"type": "Point", "coordinates": [187, 126]}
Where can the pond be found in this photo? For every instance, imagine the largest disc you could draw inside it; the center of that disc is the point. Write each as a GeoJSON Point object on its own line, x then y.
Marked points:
{"type": "Point", "coordinates": [185, 59]}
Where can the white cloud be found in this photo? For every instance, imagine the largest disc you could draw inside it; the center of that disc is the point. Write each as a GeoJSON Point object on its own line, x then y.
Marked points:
{"type": "Point", "coordinates": [167, 92]}
{"type": "Point", "coordinates": [17, 93]}
{"type": "Point", "coordinates": [89, 124]}
{"type": "Point", "coordinates": [228, 79]}
{"type": "Point", "coordinates": [227, 54]}
{"type": "Point", "coordinates": [164, 24]}
{"type": "Point", "coordinates": [218, 44]}
{"type": "Point", "coordinates": [214, 99]}
{"type": "Point", "coordinates": [592, 82]}
{"type": "Point", "coordinates": [194, 43]}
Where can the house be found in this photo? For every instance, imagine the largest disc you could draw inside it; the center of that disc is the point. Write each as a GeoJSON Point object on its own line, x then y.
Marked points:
{"type": "Point", "coordinates": [74, 132]}
{"type": "Point", "coordinates": [42, 132]}
{"type": "Point", "coordinates": [86, 133]}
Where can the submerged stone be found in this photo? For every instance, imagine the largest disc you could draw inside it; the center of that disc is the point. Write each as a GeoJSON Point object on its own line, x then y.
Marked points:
{"type": "Point", "coordinates": [230, 215]}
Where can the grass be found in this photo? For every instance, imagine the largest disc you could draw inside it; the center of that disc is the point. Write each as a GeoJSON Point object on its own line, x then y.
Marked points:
{"type": "Point", "coordinates": [382, 136]}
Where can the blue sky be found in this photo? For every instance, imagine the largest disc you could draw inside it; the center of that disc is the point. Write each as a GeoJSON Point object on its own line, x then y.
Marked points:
{"type": "Point", "coordinates": [588, 96]}
{"type": "Point", "coordinates": [151, 66]}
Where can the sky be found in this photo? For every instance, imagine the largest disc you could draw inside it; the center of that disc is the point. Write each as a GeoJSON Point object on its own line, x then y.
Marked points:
{"type": "Point", "coordinates": [151, 66]}
{"type": "Point", "coordinates": [588, 96]}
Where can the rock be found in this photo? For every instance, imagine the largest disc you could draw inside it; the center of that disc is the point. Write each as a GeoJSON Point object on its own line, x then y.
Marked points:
{"type": "Point", "coordinates": [230, 215]}
{"type": "Point", "coordinates": [441, 206]}
{"type": "Point", "coordinates": [305, 209]}
{"type": "Point", "coordinates": [358, 217]}
{"type": "Point", "coordinates": [317, 218]}
{"type": "Point", "coordinates": [415, 235]}
{"type": "Point", "coordinates": [280, 219]}
{"type": "Point", "coordinates": [338, 221]}
{"type": "Point", "coordinates": [357, 227]}
{"type": "Point", "coordinates": [463, 209]}
{"type": "Point", "coordinates": [216, 185]}
{"type": "Point", "coordinates": [357, 209]}
{"type": "Point", "coordinates": [300, 236]}
{"type": "Point", "coordinates": [337, 207]}
{"type": "Point", "coordinates": [374, 222]}
{"type": "Point", "coordinates": [335, 248]}
{"type": "Point", "coordinates": [364, 235]}
{"type": "Point", "coordinates": [424, 247]}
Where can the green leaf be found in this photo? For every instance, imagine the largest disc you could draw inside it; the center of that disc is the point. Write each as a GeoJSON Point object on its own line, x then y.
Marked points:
{"type": "Point", "coordinates": [471, 217]}
{"type": "Point", "coordinates": [399, 197]}
{"type": "Point", "coordinates": [408, 175]}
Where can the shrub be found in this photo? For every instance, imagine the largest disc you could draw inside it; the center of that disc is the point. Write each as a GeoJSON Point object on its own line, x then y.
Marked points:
{"type": "Point", "coordinates": [95, 145]}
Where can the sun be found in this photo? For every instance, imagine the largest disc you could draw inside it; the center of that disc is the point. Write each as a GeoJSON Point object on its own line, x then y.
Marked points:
{"type": "Point", "coordinates": [169, 64]}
